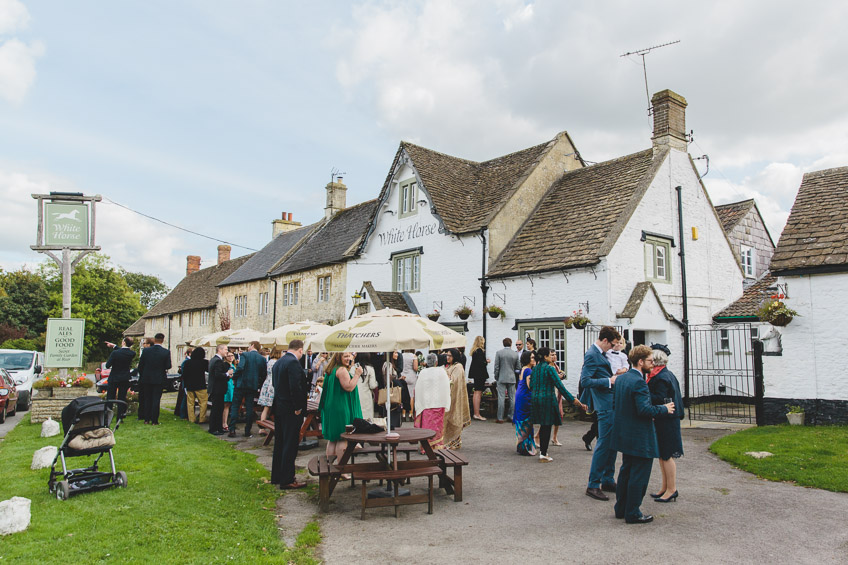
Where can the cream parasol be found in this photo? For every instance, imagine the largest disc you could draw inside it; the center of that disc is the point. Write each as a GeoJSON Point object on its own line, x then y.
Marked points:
{"type": "Point", "coordinates": [282, 336]}
{"type": "Point", "coordinates": [210, 340]}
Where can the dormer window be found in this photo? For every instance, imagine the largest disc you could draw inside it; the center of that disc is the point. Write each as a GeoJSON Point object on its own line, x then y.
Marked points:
{"type": "Point", "coordinates": [657, 257]}
{"type": "Point", "coordinates": [408, 198]}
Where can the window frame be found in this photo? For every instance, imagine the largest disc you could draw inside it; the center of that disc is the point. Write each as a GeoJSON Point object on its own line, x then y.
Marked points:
{"type": "Point", "coordinates": [324, 286]}
{"type": "Point", "coordinates": [399, 259]}
{"type": "Point", "coordinates": [408, 199]}
{"type": "Point", "coordinates": [748, 256]}
{"type": "Point", "coordinates": [652, 244]}
{"type": "Point", "coordinates": [556, 334]}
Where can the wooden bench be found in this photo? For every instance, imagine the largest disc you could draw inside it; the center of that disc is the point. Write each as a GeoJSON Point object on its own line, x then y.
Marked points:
{"type": "Point", "coordinates": [453, 460]}
{"type": "Point", "coordinates": [267, 425]}
{"type": "Point", "coordinates": [401, 475]}
{"type": "Point", "coordinates": [320, 466]}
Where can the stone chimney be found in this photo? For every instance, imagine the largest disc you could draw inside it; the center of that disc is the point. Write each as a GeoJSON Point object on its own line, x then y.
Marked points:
{"type": "Point", "coordinates": [669, 110]}
{"type": "Point", "coordinates": [284, 225]}
{"type": "Point", "coordinates": [336, 198]}
{"type": "Point", "coordinates": [192, 264]}
{"type": "Point", "coordinates": [224, 253]}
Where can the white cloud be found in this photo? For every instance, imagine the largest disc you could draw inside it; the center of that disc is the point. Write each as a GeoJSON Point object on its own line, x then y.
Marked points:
{"type": "Point", "coordinates": [13, 16]}
{"type": "Point", "coordinates": [519, 15]}
{"type": "Point", "coordinates": [17, 68]}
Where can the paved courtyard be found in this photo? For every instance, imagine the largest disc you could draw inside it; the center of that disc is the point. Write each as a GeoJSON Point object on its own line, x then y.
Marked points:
{"type": "Point", "coordinates": [518, 509]}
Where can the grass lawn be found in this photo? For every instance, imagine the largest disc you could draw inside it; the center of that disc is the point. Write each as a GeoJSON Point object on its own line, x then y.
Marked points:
{"type": "Point", "coordinates": [811, 456]}
{"type": "Point", "coordinates": [191, 498]}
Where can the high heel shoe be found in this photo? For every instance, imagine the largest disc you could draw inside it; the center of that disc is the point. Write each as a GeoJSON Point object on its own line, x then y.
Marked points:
{"type": "Point", "coordinates": [659, 494]}
{"type": "Point", "coordinates": [671, 498]}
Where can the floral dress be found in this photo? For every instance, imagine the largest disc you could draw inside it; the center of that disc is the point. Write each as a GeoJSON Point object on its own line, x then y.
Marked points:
{"type": "Point", "coordinates": [266, 395]}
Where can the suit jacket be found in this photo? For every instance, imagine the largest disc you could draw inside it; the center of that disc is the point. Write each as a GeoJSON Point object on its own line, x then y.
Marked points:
{"type": "Point", "coordinates": [218, 375]}
{"type": "Point", "coordinates": [153, 365]}
{"type": "Point", "coordinates": [633, 431]}
{"type": "Point", "coordinates": [595, 380]}
{"type": "Point", "coordinates": [506, 365]}
{"type": "Point", "coordinates": [289, 381]}
{"type": "Point", "coordinates": [119, 361]}
{"type": "Point", "coordinates": [251, 371]}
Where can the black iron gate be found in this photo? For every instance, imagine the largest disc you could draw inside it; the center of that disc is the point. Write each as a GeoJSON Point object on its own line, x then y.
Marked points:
{"type": "Point", "coordinates": [725, 374]}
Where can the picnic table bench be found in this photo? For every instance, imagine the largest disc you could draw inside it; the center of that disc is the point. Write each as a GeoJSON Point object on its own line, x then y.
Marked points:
{"type": "Point", "coordinates": [449, 459]}
{"type": "Point", "coordinates": [311, 424]}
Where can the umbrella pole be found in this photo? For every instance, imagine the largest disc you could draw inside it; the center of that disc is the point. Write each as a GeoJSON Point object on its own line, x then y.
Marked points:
{"type": "Point", "coordinates": [389, 402]}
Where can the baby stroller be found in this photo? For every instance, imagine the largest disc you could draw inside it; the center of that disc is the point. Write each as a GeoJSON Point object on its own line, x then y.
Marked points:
{"type": "Point", "coordinates": [86, 422]}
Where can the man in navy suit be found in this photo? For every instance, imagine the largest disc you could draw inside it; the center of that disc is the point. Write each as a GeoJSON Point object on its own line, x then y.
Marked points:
{"type": "Point", "coordinates": [119, 379]}
{"type": "Point", "coordinates": [251, 371]}
{"type": "Point", "coordinates": [597, 381]}
{"type": "Point", "coordinates": [289, 409]}
{"type": "Point", "coordinates": [634, 436]}
{"type": "Point", "coordinates": [153, 368]}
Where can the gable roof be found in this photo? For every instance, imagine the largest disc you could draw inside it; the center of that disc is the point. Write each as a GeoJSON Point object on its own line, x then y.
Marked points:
{"type": "Point", "coordinates": [749, 303]}
{"type": "Point", "coordinates": [387, 299]}
{"type": "Point", "coordinates": [730, 214]}
{"type": "Point", "coordinates": [467, 194]}
{"type": "Point", "coordinates": [571, 224]}
{"type": "Point", "coordinates": [265, 259]}
{"type": "Point", "coordinates": [334, 241]}
{"type": "Point", "coordinates": [815, 238]}
{"type": "Point", "coordinates": [637, 297]}
{"type": "Point", "coordinates": [198, 290]}
{"type": "Point", "coordinates": [136, 329]}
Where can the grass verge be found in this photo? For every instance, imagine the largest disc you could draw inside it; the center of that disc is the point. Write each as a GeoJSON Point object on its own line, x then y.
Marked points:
{"type": "Point", "coordinates": [807, 455]}
{"type": "Point", "coordinates": [192, 498]}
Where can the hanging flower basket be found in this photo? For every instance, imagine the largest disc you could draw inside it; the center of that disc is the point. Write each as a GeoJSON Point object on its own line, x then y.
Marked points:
{"type": "Point", "coordinates": [775, 311]}
{"type": "Point", "coordinates": [495, 311]}
{"type": "Point", "coordinates": [577, 320]}
{"type": "Point", "coordinates": [463, 312]}
{"type": "Point", "coordinates": [433, 316]}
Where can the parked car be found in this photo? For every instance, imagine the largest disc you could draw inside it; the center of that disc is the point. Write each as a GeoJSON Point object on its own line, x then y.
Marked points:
{"type": "Point", "coordinates": [172, 384]}
{"type": "Point", "coordinates": [8, 395]}
{"type": "Point", "coordinates": [24, 367]}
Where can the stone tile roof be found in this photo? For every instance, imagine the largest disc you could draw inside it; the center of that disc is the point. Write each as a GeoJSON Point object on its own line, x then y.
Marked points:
{"type": "Point", "coordinates": [136, 329]}
{"type": "Point", "coordinates": [466, 194]}
{"type": "Point", "coordinates": [333, 242]}
{"type": "Point", "coordinates": [265, 259]}
{"type": "Point", "coordinates": [749, 303]}
{"type": "Point", "coordinates": [580, 217]}
{"type": "Point", "coordinates": [198, 290]}
{"type": "Point", "coordinates": [387, 299]}
{"type": "Point", "coordinates": [730, 214]}
{"type": "Point", "coordinates": [640, 291]}
{"type": "Point", "coordinates": [815, 237]}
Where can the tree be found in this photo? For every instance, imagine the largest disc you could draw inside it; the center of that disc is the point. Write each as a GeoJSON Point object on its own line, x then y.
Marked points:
{"type": "Point", "coordinates": [24, 303]}
{"type": "Point", "coordinates": [149, 288]}
{"type": "Point", "coordinates": [102, 296]}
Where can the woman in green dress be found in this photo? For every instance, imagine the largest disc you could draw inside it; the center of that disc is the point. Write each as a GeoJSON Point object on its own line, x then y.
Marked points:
{"type": "Point", "coordinates": [339, 403]}
{"type": "Point", "coordinates": [545, 407]}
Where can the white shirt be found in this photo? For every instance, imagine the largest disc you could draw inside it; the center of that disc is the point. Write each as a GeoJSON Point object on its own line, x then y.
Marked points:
{"type": "Point", "coordinates": [617, 360]}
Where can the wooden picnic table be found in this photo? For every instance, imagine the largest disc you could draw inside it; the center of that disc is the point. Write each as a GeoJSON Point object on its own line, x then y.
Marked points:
{"type": "Point", "coordinates": [311, 424]}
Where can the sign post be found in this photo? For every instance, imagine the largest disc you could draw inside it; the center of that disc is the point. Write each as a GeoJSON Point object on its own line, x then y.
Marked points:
{"type": "Point", "coordinates": [66, 224]}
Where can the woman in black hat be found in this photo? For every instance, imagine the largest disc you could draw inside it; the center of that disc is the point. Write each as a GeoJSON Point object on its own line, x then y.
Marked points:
{"type": "Point", "coordinates": [664, 389]}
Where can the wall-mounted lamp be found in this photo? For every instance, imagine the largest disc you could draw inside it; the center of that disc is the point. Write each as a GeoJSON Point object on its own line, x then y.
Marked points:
{"type": "Point", "coordinates": [356, 299]}
{"type": "Point", "coordinates": [422, 202]}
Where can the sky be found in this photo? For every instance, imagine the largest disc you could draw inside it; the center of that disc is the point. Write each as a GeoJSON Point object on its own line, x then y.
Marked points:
{"type": "Point", "coordinates": [218, 116]}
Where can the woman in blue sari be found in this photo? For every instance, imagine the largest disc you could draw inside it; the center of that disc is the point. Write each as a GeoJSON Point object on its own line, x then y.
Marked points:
{"type": "Point", "coordinates": [524, 443]}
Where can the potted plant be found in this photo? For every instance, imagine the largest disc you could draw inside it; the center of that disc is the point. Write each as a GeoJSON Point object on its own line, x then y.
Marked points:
{"type": "Point", "coordinates": [463, 312]}
{"type": "Point", "coordinates": [495, 311]}
{"type": "Point", "coordinates": [71, 387]}
{"type": "Point", "coordinates": [434, 316]}
{"type": "Point", "coordinates": [795, 415]}
{"type": "Point", "coordinates": [775, 311]}
{"type": "Point", "coordinates": [577, 320]}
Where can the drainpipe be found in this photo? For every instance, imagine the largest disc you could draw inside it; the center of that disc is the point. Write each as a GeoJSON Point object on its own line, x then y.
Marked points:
{"type": "Point", "coordinates": [484, 287]}
{"type": "Point", "coordinates": [682, 255]}
{"type": "Point", "coordinates": [274, 315]}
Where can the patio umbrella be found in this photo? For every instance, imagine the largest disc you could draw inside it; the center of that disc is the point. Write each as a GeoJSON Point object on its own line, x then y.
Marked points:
{"type": "Point", "coordinates": [210, 340]}
{"type": "Point", "coordinates": [240, 338]}
{"type": "Point", "coordinates": [386, 331]}
{"type": "Point", "coordinates": [282, 336]}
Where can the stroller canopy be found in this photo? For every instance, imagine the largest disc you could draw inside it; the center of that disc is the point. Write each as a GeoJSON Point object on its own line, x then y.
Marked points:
{"type": "Point", "coordinates": [83, 405]}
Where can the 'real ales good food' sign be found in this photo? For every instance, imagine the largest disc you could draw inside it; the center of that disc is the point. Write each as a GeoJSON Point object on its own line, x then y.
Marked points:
{"type": "Point", "coordinates": [65, 342]}
{"type": "Point", "coordinates": [66, 225]}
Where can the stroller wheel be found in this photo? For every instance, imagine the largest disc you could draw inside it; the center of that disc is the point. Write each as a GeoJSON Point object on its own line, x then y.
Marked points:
{"type": "Point", "coordinates": [63, 490]}
{"type": "Point", "coordinates": [121, 479]}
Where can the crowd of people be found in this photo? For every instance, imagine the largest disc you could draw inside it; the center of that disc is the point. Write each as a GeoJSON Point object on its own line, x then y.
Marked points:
{"type": "Point", "coordinates": [633, 399]}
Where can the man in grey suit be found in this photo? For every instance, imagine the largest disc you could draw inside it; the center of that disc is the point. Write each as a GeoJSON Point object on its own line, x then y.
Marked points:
{"type": "Point", "coordinates": [507, 365]}
{"type": "Point", "coordinates": [634, 436]}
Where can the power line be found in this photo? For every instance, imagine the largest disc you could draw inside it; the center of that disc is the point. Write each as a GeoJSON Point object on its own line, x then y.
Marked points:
{"type": "Point", "coordinates": [110, 201]}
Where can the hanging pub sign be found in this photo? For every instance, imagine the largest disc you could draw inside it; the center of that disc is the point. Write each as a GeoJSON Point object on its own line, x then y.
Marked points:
{"type": "Point", "coordinates": [66, 224]}
{"type": "Point", "coordinates": [65, 340]}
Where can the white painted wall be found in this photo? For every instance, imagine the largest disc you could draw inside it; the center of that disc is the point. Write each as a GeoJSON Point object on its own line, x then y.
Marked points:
{"type": "Point", "coordinates": [814, 343]}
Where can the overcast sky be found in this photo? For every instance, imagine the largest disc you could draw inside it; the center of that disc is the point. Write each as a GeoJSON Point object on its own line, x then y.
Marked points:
{"type": "Point", "coordinates": [219, 116]}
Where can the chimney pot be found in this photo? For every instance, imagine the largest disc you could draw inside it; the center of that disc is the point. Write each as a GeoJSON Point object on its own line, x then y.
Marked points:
{"type": "Point", "coordinates": [669, 111]}
{"type": "Point", "coordinates": [224, 253]}
{"type": "Point", "coordinates": [290, 216]}
{"type": "Point", "coordinates": [192, 264]}
{"type": "Point", "coordinates": [336, 198]}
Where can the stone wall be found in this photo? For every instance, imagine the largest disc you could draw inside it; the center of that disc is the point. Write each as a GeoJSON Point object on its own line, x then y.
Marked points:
{"type": "Point", "coordinates": [817, 412]}
{"type": "Point", "coordinates": [752, 232]}
{"type": "Point", "coordinates": [253, 318]}
{"type": "Point", "coordinates": [307, 306]}
{"type": "Point", "coordinates": [178, 331]}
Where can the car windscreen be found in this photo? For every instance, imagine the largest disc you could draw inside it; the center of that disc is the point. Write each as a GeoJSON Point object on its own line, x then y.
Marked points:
{"type": "Point", "coordinates": [16, 361]}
